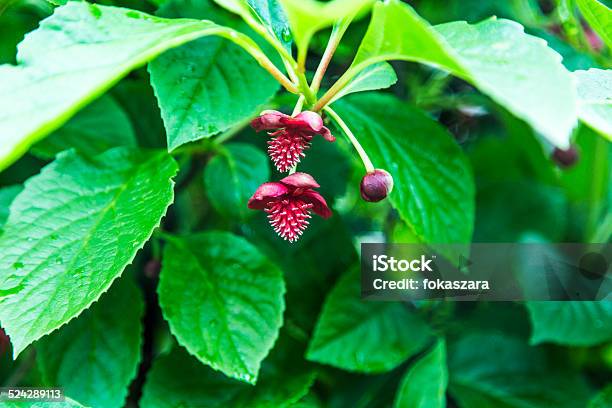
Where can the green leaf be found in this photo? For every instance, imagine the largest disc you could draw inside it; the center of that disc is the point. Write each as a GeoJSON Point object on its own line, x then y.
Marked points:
{"type": "Point", "coordinates": [179, 380]}
{"type": "Point", "coordinates": [516, 70]}
{"type": "Point", "coordinates": [434, 189]}
{"type": "Point", "coordinates": [424, 384]}
{"type": "Point", "coordinates": [240, 7]}
{"type": "Point", "coordinates": [223, 300]}
{"type": "Point", "coordinates": [587, 185]}
{"type": "Point", "coordinates": [307, 17]}
{"type": "Point", "coordinates": [7, 195]}
{"type": "Point", "coordinates": [571, 323]}
{"type": "Point", "coordinates": [375, 77]}
{"type": "Point", "coordinates": [68, 403]}
{"type": "Point", "coordinates": [599, 17]}
{"type": "Point", "coordinates": [405, 36]}
{"type": "Point", "coordinates": [72, 231]}
{"type": "Point", "coordinates": [99, 127]}
{"type": "Point", "coordinates": [494, 370]}
{"type": "Point", "coordinates": [96, 356]}
{"type": "Point", "coordinates": [476, 10]}
{"type": "Point", "coordinates": [272, 16]}
{"type": "Point", "coordinates": [207, 86]}
{"type": "Point", "coordinates": [368, 337]}
{"type": "Point", "coordinates": [232, 177]}
{"type": "Point", "coordinates": [595, 100]}
{"type": "Point", "coordinates": [603, 399]}
{"type": "Point", "coordinates": [76, 55]}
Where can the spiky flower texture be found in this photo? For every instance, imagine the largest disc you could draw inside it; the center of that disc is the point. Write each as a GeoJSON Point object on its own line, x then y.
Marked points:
{"type": "Point", "coordinates": [289, 203]}
{"type": "Point", "coordinates": [291, 136]}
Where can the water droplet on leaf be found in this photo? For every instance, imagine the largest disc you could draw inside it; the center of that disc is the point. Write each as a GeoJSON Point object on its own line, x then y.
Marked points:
{"type": "Point", "coordinates": [286, 34]}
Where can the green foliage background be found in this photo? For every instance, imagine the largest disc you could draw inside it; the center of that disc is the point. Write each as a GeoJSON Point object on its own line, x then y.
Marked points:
{"type": "Point", "coordinates": [133, 274]}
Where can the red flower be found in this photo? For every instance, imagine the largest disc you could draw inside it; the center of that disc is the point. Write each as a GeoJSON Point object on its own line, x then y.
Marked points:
{"type": "Point", "coordinates": [290, 136]}
{"type": "Point", "coordinates": [288, 204]}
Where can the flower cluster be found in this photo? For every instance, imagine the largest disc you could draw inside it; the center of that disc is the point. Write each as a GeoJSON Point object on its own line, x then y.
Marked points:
{"type": "Point", "coordinates": [290, 201]}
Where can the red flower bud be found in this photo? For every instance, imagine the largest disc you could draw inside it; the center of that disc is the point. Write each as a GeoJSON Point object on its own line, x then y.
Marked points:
{"type": "Point", "coordinates": [376, 185]}
{"type": "Point", "coordinates": [565, 158]}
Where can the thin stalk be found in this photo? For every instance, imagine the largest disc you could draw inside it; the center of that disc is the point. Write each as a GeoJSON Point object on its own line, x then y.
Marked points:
{"type": "Point", "coordinates": [332, 45]}
{"type": "Point", "coordinates": [298, 106]}
{"type": "Point", "coordinates": [287, 58]}
{"type": "Point", "coordinates": [164, 236]}
{"type": "Point", "coordinates": [337, 87]}
{"type": "Point", "coordinates": [252, 48]}
{"type": "Point", "coordinates": [297, 109]}
{"type": "Point", "coordinates": [291, 71]}
{"type": "Point", "coordinates": [228, 134]}
{"type": "Point", "coordinates": [304, 88]}
{"type": "Point", "coordinates": [278, 75]}
{"type": "Point", "coordinates": [156, 249]}
{"type": "Point", "coordinates": [360, 150]}
{"type": "Point", "coordinates": [190, 149]}
{"type": "Point", "coordinates": [302, 55]}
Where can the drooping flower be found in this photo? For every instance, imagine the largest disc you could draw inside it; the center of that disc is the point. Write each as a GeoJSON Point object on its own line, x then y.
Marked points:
{"type": "Point", "coordinates": [291, 136]}
{"type": "Point", "coordinates": [376, 185]}
{"type": "Point", "coordinates": [289, 203]}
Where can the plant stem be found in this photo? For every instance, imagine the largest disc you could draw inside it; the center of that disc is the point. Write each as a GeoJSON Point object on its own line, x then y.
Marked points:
{"type": "Point", "coordinates": [156, 248]}
{"type": "Point", "coordinates": [163, 235]}
{"type": "Point", "coordinates": [291, 71]}
{"type": "Point", "coordinates": [302, 55]}
{"type": "Point", "coordinates": [228, 134]}
{"type": "Point", "coordinates": [252, 48]}
{"type": "Point", "coordinates": [304, 89]}
{"type": "Point", "coordinates": [337, 87]}
{"type": "Point", "coordinates": [288, 61]}
{"type": "Point", "coordinates": [362, 153]}
{"type": "Point", "coordinates": [332, 45]}
{"type": "Point", "coordinates": [278, 75]}
{"type": "Point", "coordinates": [298, 106]}
{"type": "Point", "coordinates": [297, 109]}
